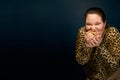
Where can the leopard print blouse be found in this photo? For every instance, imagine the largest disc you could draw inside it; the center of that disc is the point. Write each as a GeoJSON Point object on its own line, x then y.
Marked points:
{"type": "Point", "coordinates": [102, 61]}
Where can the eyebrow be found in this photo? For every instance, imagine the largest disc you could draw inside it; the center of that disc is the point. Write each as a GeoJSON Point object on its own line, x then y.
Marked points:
{"type": "Point", "coordinates": [87, 23]}
{"type": "Point", "coordinates": [90, 22]}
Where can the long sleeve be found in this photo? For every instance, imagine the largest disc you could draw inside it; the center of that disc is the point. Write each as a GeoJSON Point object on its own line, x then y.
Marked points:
{"type": "Point", "coordinates": [110, 49]}
{"type": "Point", "coordinates": [82, 52]}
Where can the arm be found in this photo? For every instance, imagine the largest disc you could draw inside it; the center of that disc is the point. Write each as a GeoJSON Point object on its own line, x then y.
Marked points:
{"type": "Point", "coordinates": [82, 52]}
{"type": "Point", "coordinates": [110, 50]}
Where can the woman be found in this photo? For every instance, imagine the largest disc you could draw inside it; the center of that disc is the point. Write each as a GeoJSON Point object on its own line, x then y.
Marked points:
{"type": "Point", "coordinates": [98, 46]}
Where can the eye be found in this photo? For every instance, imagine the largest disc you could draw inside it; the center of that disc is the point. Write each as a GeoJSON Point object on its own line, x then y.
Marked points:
{"type": "Point", "coordinates": [88, 24]}
{"type": "Point", "coordinates": [97, 23]}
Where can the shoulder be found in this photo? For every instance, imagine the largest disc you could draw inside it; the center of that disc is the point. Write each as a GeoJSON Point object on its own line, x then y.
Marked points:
{"type": "Point", "coordinates": [111, 32]}
{"type": "Point", "coordinates": [112, 29]}
{"type": "Point", "coordinates": [81, 29]}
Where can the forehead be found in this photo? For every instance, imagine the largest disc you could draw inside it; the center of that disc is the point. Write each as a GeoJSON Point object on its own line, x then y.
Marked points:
{"type": "Point", "coordinates": [93, 18]}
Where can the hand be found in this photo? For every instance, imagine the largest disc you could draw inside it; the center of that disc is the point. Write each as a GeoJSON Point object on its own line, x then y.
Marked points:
{"type": "Point", "coordinates": [96, 41]}
{"type": "Point", "coordinates": [93, 40]}
{"type": "Point", "coordinates": [89, 35]}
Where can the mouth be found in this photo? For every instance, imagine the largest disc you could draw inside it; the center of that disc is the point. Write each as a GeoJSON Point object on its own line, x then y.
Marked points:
{"type": "Point", "coordinates": [92, 32]}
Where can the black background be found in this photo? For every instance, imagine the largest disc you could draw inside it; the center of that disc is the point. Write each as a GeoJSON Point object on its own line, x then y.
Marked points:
{"type": "Point", "coordinates": [37, 37]}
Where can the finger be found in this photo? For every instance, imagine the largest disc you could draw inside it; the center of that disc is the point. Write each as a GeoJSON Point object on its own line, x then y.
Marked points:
{"type": "Point", "coordinates": [89, 36]}
{"type": "Point", "coordinates": [95, 41]}
{"type": "Point", "coordinates": [92, 43]}
{"type": "Point", "coordinates": [98, 37]}
{"type": "Point", "coordinates": [97, 32]}
{"type": "Point", "coordinates": [87, 39]}
{"type": "Point", "coordinates": [88, 44]}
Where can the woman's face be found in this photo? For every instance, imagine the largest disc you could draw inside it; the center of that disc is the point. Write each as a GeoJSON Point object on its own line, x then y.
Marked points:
{"type": "Point", "coordinates": [95, 23]}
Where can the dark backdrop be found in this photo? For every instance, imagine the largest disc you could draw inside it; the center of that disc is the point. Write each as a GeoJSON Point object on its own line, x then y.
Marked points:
{"type": "Point", "coordinates": [37, 37]}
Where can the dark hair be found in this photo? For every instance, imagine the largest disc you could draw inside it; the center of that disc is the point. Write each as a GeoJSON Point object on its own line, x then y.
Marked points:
{"type": "Point", "coordinates": [96, 10]}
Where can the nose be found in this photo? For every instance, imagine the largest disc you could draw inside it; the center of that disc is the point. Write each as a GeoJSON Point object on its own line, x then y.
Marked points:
{"type": "Point", "coordinates": [92, 27]}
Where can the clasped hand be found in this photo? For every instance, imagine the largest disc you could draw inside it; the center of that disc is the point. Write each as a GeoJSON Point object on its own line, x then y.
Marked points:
{"type": "Point", "coordinates": [93, 40]}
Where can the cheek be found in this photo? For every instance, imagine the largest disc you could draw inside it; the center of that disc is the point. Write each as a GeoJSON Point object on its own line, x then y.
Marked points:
{"type": "Point", "coordinates": [101, 27]}
{"type": "Point", "coordinates": [87, 27]}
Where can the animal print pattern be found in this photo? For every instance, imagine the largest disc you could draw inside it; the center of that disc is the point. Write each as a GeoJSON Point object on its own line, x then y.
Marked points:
{"type": "Point", "coordinates": [102, 61]}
